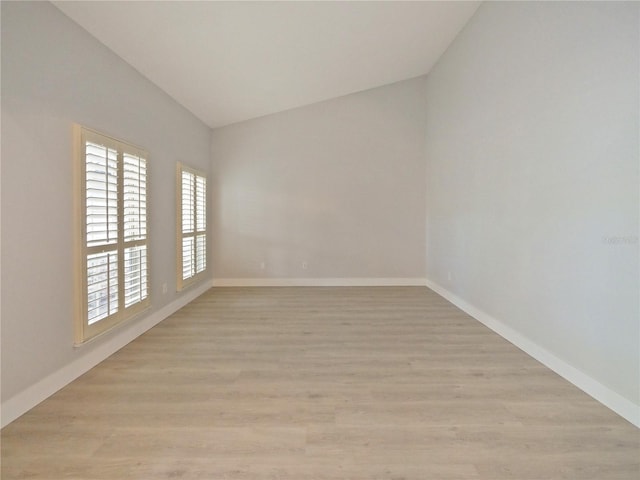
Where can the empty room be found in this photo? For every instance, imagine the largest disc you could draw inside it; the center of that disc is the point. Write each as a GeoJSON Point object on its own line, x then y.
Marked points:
{"type": "Point", "coordinates": [320, 240]}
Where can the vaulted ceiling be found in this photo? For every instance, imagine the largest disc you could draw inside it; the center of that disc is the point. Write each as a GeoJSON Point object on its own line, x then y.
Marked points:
{"type": "Point", "coordinates": [231, 61]}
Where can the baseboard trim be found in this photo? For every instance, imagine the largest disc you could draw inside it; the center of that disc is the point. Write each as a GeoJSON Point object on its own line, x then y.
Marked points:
{"type": "Point", "coordinates": [24, 401]}
{"type": "Point", "coordinates": [612, 400]}
{"type": "Point", "coordinates": [318, 282]}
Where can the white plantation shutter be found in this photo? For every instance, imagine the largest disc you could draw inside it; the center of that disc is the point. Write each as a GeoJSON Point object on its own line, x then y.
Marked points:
{"type": "Point", "coordinates": [135, 275]}
{"type": "Point", "coordinates": [135, 197]}
{"type": "Point", "coordinates": [188, 198]}
{"type": "Point", "coordinates": [102, 285]}
{"type": "Point", "coordinates": [201, 224]}
{"type": "Point", "coordinates": [101, 194]}
{"type": "Point", "coordinates": [192, 225]}
{"type": "Point", "coordinates": [135, 229]}
{"type": "Point", "coordinates": [114, 266]}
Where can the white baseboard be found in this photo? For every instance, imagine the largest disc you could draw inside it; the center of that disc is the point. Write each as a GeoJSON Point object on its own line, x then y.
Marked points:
{"type": "Point", "coordinates": [318, 282]}
{"type": "Point", "coordinates": [33, 395]}
{"type": "Point", "coordinates": [616, 402]}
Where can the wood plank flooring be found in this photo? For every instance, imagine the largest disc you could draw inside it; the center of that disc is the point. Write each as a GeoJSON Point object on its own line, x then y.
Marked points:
{"type": "Point", "coordinates": [320, 384]}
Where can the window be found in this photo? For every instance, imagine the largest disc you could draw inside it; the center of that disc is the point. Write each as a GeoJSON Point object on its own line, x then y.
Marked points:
{"type": "Point", "coordinates": [112, 226]}
{"type": "Point", "coordinates": [192, 225]}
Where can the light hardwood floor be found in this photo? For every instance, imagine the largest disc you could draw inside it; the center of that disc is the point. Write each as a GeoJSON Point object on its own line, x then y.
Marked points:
{"type": "Point", "coordinates": [317, 384]}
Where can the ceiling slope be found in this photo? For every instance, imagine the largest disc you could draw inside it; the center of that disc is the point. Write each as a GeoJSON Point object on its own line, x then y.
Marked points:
{"type": "Point", "coordinates": [231, 61]}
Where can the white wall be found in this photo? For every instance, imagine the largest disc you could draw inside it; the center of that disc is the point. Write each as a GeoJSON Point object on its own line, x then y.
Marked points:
{"type": "Point", "coordinates": [338, 184]}
{"type": "Point", "coordinates": [55, 74]}
{"type": "Point", "coordinates": [532, 184]}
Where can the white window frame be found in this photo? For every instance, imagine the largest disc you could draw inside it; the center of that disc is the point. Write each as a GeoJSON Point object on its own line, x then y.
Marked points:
{"type": "Point", "coordinates": [85, 329]}
{"type": "Point", "coordinates": [199, 209]}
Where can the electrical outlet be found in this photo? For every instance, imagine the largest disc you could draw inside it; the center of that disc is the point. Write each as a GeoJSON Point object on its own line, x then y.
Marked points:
{"type": "Point", "coordinates": [304, 265]}
{"type": "Point", "coordinates": [164, 289]}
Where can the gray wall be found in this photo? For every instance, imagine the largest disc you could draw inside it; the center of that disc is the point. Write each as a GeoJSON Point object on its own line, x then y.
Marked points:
{"type": "Point", "coordinates": [55, 74]}
{"type": "Point", "coordinates": [532, 179]}
{"type": "Point", "coordinates": [339, 184]}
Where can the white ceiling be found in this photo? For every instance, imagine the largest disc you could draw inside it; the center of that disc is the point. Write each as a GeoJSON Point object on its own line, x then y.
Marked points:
{"type": "Point", "coordinates": [231, 61]}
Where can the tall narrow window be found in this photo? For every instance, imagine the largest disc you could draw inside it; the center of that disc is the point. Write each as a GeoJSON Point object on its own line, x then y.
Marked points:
{"type": "Point", "coordinates": [192, 225]}
{"type": "Point", "coordinates": [112, 225]}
